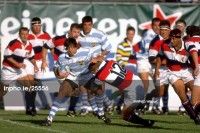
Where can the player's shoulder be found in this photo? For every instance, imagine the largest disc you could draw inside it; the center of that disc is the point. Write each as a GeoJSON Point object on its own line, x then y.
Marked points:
{"type": "Point", "coordinates": [84, 50]}
{"type": "Point", "coordinates": [60, 37]}
{"type": "Point", "coordinates": [97, 32]}
{"type": "Point", "coordinates": [46, 35]}
{"type": "Point", "coordinates": [193, 39]}
{"type": "Point", "coordinates": [13, 42]}
{"type": "Point", "coordinates": [62, 56]}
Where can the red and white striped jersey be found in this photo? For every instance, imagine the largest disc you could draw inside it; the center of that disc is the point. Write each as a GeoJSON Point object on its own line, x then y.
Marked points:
{"type": "Point", "coordinates": [193, 45]}
{"type": "Point", "coordinates": [114, 74]}
{"type": "Point", "coordinates": [155, 47]}
{"type": "Point", "coordinates": [176, 60]}
{"type": "Point", "coordinates": [18, 52]}
{"type": "Point", "coordinates": [38, 42]}
{"type": "Point", "coordinates": [56, 43]}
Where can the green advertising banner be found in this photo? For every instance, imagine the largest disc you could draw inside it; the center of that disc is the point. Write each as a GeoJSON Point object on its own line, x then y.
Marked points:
{"type": "Point", "coordinates": [110, 18]}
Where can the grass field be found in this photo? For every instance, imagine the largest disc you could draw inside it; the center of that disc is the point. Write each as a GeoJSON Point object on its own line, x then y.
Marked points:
{"type": "Point", "coordinates": [17, 122]}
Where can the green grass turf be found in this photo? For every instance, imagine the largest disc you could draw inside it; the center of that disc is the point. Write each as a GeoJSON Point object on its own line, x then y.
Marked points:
{"type": "Point", "coordinates": [18, 122]}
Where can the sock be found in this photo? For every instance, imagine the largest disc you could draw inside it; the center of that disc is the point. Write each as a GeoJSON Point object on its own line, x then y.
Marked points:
{"type": "Point", "coordinates": [33, 96]}
{"type": "Point", "coordinates": [93, 104]}
{"type": "Point", "coordinates": [99, 101]}
{"type": "Point", "coordinates": [42, 95]}
{"type": "Point", "coordinates": [73, 102]}
{"type": "Point", "coordinates": [133, 118]}
{"type": "Point", "coordinates": [30, 99]}
{"type": "Point", "coordinates": [156, 102]}
{"type": "Point", "coordinates": [165, 98]}
{"type": "Point", "coordinates": [188, 107]}
{"type": "Point", "coordinates": [189, 96]}
{"type": "Point", "coordinates": [120, 102]}
{"type": "Point", "coordinates": [107, 101]}
{"type": "Point", "coordinates": [55, 106]}
{"type": "Point", "coordinates": [84, 99]}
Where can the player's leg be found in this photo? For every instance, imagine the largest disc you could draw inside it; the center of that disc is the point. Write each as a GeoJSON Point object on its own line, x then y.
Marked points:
{"type": "Point", "coordinates": [196, 94]}
{"type": "Point", "coordinates": [179, 88]}
{"type": "Point", "coordinates": [128, 114]}
{"type": "Point", "coordinates": [72, 104]}
{"type": "Point", "coordinates": [95, 98]}
{"type": "Point", "coordinates": [67, 88]}
{"type": "Point", "coordinates": [107, 101]}
{"type": "Point", "coordinates": [84, 100]}
{"type": "Point", "coordinates": [165, 98]}
{"type": "Point", "coordinates": [119, 104]}
{"type": "Point", "coordinates": [144, 76]}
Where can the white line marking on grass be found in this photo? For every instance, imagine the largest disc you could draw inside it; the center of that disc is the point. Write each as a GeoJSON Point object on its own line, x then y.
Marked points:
{"type": "Point", "coordinates": [29, 126]}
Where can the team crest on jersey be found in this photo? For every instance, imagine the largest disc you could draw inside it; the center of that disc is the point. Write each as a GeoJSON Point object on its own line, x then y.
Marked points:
{"type": "Point", "coordinates": [93, 44]}
{"type": "Point", "coordinates": [182, 59]}
{"type": "Point", "coordinates": [80, 62]}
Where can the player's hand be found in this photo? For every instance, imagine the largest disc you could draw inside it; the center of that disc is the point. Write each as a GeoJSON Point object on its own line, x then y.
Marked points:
{"type": "Point", "coordinates": [62, 75]}
{"type": "Point", "coordinates": [156, 75]}
{"type": "Point", "coordinates": [196, 71]}
{"type": "Point", "coordinates": [36, 69]}
{"type": "Point", "coordinates": [43, 66]}
{"type": "Point", "coordinates": [21, 65]}
{"type": "Point", "coordinates": [94, 60]}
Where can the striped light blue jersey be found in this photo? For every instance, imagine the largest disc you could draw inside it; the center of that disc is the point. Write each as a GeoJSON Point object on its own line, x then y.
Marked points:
{"type": "Point", "coordinates": [78, 64]}
{"type": "Point", "coordinates": [146, 39]}
{"type": "Point", "coordinates": [96, 40]}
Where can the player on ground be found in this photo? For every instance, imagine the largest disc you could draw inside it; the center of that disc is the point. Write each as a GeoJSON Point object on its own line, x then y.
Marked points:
{"type": "Point", "coordinates": [121, 78]}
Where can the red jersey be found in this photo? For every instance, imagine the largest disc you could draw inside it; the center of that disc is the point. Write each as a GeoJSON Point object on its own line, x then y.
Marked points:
{"type": "Point", "coordinates": [18, 52]}
{"type": "Point", "coordinates": [56, 43]}
{"type": "Point", "coordinates": [38, 42]}
{"type": "Point", "coordinates": [114, 74]}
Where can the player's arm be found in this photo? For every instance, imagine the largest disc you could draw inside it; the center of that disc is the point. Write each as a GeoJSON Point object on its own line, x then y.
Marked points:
{"type": "Point", "coordinates": [191, 48]}
{"type": "Point", "coordinates": [98, 58]}
{"type": "Point", "coordinates": [32, 60]}
{"type": "Point", "coordinates": [157, 67]}
{"type": "Point", "coordinates": [105, 46]}
{"type": "Point", "coordinates": [104, 52]}
{"type": "Point", "coordinates": [194, 56]}
{"type": "Point", "coordinates": [48, 45]}
{"type": "Point", "coordinates": [14, 62]}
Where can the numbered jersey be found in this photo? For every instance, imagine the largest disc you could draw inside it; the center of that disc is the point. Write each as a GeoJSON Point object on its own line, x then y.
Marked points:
{"type": "Point", "coordinates": [114, 74]}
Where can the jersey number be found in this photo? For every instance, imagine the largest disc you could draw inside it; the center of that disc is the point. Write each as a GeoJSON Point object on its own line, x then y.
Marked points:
{"type": "Point", "coordinates": [118, 70]}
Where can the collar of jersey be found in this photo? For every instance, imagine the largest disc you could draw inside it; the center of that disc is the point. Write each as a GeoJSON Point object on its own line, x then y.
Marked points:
{"type": "Point", "coordinates": [172, 48]}
{"type": "Point", "coordinates": [92, 30]}
{"type": "Point", "coordinates": [22, 42]}
{"type": "Point", "coordinates": [31, 32]}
